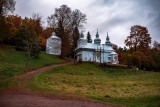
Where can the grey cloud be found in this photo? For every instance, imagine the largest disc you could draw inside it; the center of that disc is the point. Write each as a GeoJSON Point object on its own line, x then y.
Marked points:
{"type": "Point", "coordinates": [105, 15]}
{"type": "Point", "coordinates": [23, 7]}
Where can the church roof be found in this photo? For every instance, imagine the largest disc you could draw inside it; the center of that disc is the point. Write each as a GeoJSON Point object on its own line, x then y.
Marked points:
{"type": "Point", "coordinates": [107, 40]}
{"type": "Point", "coordinates": [97, 43]}
{"type": "Point", "coordinates": [94, 46]}
{"type": "Point", "coordinates": [97, 40]}
{"type": "Point", "coordinates": [113, 53]}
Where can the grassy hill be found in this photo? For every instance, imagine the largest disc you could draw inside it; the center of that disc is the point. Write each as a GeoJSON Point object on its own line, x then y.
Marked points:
{"type": "Point", "coordinates": [13, 63]}
{"type": "Point", "coordinates": [126, 87]}
{"type": "Point", "coordinates": [118, 86]}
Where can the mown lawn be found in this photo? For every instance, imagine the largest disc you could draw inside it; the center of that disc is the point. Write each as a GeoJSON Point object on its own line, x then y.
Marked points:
{"type": "Point", "coordinates": [13, 63]}
{"type": "Point", "coordinates": [124, 87]}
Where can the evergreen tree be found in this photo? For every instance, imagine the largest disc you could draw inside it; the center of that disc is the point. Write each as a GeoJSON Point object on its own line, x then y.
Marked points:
{"type": "Point", "coordinates": [27, 41]}
{"type": "Point", "coordinates": [89, 40]}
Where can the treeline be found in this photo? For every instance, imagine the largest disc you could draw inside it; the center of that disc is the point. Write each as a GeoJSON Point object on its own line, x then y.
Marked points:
{"type": "Point", "coordinates": [139, 52]}
{"type": "Point", "coordinates": [27, 34]}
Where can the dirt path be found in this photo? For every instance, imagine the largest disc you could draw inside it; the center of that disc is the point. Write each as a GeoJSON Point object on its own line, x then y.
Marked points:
{"type": "Point", "coordinates": [24, 100]}
{"type": "Point", "coordinates": [40, 70]}
{"type": "Point", "coordinates": [19, 97]}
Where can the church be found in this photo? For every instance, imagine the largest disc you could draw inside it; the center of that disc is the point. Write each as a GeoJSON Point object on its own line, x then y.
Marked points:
{"type": "Point", "coordinates": [96, 52]}
{"type": "Point", "coordinates": [89, 52]}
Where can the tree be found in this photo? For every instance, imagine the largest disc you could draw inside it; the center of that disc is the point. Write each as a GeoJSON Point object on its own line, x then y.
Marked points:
{"type": "Point", "coordinates": [38, 23]}
{"type": "Point", "coordinates": [89, 40]}
{"type": "Point", "coordinates": [4, 28]}
{"type": "Point", "coordinates": [66, 24]}
{"type": "Point", "coordinates": [14, 23]}
{"type": "Point", "coordinates": [34, 28]}
{"type": "Point", "coordinates": [114, 46]}
{"type": "Point", "coordinates": [46, 33]}
{"type": "Point", "coordinates": [156, 45]}
{"type": "Point", "coordinates": [139, 38]}
{"type": "Point", "coordinates": [20, 39]}
{"type": "Point", "coordinates": [27, 38]}
{"type": "Point", "coordinates": [6, 6]}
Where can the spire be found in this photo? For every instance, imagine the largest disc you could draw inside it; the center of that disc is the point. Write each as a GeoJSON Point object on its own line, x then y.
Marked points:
{"type": "Point", "coordinates": [81, 35]}
{"type": "Point", "coordinates": [97, 40]}
{"type": "Point", "coordinates": [97, 35]}
{"type": "Point", "coordinates": [107, 40]}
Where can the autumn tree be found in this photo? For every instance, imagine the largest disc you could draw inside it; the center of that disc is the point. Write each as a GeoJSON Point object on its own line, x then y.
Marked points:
{"type": "Point", "coordinates": [46, 33]}
{"type": "Point", "coordinates": [139, 38]}
{"type": "Point", "coordinates": [89, 39]}
{"type": "Point", "coordinates": [14, 23]}
{"type": "Point", "coordinates": [38, 23]}
{"type": "Point", "coordinates": [4, 28]}
{"type": "Point", "coordinates": [6, 6]}
{"type": "Point", "coordinates": [27, 38]}
{"type": "Point", "coordinates": [67, 24]}
{"type": "Point", "coordinates": [114, 46]}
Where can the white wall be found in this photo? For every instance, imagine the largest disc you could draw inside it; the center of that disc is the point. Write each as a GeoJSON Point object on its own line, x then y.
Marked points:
{"type": "Point", "coordinates": [53, 46]}
{"type": "Point", "coordinates": [91, 56]}
{"type": "Point", "coordinates": [87, 56]}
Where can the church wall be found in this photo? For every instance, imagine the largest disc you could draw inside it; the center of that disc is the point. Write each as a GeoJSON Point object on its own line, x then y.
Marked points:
{"type": "Point", "coordinates": [107, 57]}
{"type": "Point", "coordinates": [87, 56]}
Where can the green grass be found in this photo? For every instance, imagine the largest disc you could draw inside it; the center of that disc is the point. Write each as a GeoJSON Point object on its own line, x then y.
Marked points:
{"type": "Point", "coordinates": [13, 63]}
{"type": "Point", "coordinates": [126, 87]}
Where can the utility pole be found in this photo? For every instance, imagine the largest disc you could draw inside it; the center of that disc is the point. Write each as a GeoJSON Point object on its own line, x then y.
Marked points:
{"type": "Point", "coordinates": [100, 55]}
{"type": "Point", "coordinates": [103, 53]}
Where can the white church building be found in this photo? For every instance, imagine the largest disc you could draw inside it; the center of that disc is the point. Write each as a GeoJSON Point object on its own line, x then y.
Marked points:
{"type": "Point", "coordinates": [96, 52]}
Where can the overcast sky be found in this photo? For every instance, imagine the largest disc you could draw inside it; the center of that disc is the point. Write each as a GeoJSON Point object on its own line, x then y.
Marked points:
{"type": "Point", "coordinates": [114, 16]}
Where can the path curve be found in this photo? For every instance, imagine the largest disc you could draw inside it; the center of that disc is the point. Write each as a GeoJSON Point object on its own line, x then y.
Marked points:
{"type": "Point", "coordinates": [40, 70]}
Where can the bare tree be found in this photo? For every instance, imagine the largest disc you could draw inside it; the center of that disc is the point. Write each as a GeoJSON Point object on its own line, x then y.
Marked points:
{"type": "Point", "coordinates": [7, 6]}
{"type": "Point", "coordinates": [67, 24]}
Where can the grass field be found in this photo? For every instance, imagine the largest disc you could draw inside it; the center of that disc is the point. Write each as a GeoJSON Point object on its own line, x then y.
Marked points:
{"type": "Point", "coordinates": [13, 63]}
{"type": "Point", "coordinates": [124, 87]}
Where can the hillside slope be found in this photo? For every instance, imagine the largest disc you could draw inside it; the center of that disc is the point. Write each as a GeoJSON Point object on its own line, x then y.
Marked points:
{"type": "Point", "coordinates": [126, 87]}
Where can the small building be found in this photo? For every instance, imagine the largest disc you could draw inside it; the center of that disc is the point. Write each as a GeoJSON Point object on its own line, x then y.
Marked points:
{"type": "Point", "coordinates": [53, 45]}
{"type": "Point", "coordinates": [96, 52]}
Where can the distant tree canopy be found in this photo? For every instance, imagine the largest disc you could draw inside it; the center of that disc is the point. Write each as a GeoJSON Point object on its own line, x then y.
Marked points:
{"type": "Point", "coordinates": [89, 39]}
{"type": "Point", "coordinates": [138, 38]}
{"type": "Point", "coordinates": [67, 24]}
{"type": "Point", "coordinates": [140, 54]}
